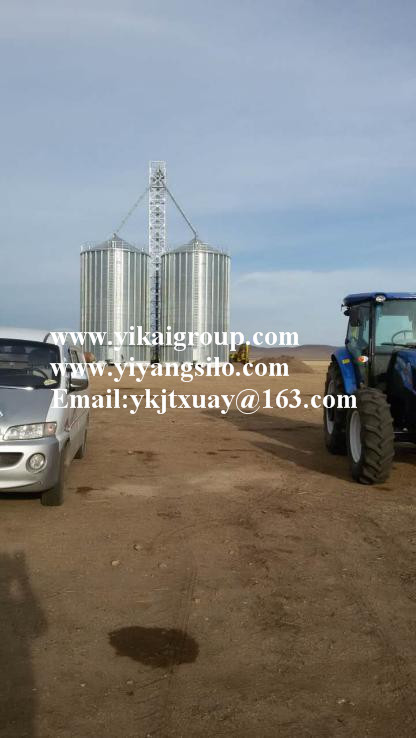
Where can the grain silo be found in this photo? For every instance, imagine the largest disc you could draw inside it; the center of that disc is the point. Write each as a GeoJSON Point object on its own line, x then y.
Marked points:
{"type": "Point", "coordinates": [195, 297]}
{"type": "Point", "coordinates": [114, 296]}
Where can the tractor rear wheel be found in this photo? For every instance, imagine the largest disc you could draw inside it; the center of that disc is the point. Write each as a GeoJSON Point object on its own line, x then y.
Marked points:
{"type": "Point", "coordinates": [370, 437]}
{"type": "Point", "coordinates": [335, 419]}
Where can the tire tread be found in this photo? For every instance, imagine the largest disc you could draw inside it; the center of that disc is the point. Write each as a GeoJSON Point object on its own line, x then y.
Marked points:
{"type": "Point", "coordinates": [377, 437]}
{"type": "Point", "coordinates": [336, 441]}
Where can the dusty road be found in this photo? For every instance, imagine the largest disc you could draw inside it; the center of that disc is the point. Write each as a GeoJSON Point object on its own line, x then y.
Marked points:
{"type": "Point", "coordinates": [210, 576]}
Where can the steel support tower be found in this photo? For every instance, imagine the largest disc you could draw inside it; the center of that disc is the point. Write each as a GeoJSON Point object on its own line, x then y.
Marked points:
{"type": "Point", "coordinates": [157, 235]}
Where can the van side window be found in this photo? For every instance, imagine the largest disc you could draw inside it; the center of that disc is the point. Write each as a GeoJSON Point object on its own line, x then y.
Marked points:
{"type": "Point", "coordinates": [74, 356]}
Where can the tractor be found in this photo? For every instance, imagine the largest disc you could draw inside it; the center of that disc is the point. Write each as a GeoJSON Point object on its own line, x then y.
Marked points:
{"type": "Point", "coordinates": [377, 366]}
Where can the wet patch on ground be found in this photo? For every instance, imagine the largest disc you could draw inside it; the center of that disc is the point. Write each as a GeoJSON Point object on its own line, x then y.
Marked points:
{"type": "Point", "coordinates": [157, 647]}
{"type": "Point", "coordinates": [84, 490]}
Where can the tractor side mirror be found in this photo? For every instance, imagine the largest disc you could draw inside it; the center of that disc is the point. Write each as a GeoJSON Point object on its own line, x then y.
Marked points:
{"type": "Point", "coordinates": [347, 312]}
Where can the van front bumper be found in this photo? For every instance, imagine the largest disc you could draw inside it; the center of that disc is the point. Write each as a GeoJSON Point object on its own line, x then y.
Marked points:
{"type": "Point", "coordinates": [15, 474]}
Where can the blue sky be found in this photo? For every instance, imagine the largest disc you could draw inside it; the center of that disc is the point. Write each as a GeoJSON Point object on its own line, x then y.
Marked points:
{"type": "Point", "coordinates": [288, 127]}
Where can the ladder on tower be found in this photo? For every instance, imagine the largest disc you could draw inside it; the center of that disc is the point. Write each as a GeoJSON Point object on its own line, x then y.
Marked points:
{"type": "Point", "coordinates": [157, 236]}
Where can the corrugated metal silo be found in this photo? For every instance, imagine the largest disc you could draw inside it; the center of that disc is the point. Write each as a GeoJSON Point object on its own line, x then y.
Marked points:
{"type": "Point", "coordinates": [195, 296]}
{"type": "Point", "coordinates": [114, 296]}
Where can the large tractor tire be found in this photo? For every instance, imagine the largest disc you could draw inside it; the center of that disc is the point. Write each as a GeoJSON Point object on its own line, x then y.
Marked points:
{"type": "Point", "coordinates": [370, 437]}
{"type": "Point", "coordinates": [335, 419]}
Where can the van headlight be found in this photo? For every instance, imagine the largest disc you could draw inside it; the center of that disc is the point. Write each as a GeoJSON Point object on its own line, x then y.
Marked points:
{"type": "Point", "coordinates": [30, 431]}
{"type": "Point", "coordinates": [36, 462]}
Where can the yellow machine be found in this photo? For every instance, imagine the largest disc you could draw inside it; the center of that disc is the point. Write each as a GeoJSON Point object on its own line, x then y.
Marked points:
{"type": "Point", "coordinates": [241, 354]}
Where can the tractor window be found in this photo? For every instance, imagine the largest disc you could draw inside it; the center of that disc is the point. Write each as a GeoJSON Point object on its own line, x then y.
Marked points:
{"type": "Point", "coordinates": [395, 323]}
{"type": "Point", "coordinates": [358, 335]}
{"type": "Point", "coordinates": [395, 326]}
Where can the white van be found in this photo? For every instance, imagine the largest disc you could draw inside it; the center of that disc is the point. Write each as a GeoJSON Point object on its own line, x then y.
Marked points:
{"type": "Point", "coordinates": [37, 441]}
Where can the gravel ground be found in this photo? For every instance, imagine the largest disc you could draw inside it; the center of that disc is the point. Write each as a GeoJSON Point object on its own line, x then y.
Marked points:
{"type": "Point", "coordinates": [210, 576]}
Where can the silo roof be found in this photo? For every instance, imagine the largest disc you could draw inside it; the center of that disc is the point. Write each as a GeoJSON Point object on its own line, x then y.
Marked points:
{"type": "Point", "coordinates": [196, 245]}
{"type": "Point", "coordinates": [115, 242]}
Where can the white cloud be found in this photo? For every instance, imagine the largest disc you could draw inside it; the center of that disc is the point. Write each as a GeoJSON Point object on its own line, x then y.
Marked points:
{"type": "Point", "coordinates": [95, 18]}
{"type": "Point", "coordinates": [287, 106]}
{"type": "Point", "coordinates": [307, 302]}
{"type": "Point", "coordinates": [250, 113]}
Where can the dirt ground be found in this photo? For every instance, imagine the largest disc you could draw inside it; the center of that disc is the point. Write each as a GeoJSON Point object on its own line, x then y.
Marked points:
{"type": "Point", "coordinates": [210, 576]}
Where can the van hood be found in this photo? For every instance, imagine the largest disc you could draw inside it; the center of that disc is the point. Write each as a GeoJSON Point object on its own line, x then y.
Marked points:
{"type": "Point", "coordinates": [19, 406]}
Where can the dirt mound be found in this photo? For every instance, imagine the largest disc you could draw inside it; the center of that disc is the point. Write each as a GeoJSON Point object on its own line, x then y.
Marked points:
{"type": "Point", "coordinates": [295, 366]}
{"type": "Point", "coordinates": [307, 352]}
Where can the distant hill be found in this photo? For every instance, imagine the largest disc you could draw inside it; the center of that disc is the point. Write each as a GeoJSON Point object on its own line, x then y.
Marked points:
{"type": "Point", "coordinates": [308, 352]}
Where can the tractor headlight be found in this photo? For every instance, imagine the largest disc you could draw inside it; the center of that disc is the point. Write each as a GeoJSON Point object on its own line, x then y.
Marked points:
{"type": "Point", "coordinates": [380, 298]}
{"type": "Point", "coordinates": [30, 431]}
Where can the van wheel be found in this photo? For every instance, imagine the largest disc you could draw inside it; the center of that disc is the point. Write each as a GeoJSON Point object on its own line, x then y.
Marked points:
{"type": "Point", "coordinates": [370, 437]}
{"type": "Point", "coordinates": [55, 496]}
{"type": "Point", "coordinates": [82, 449]}
{"type": "Point", "coordinates": [334, 418]}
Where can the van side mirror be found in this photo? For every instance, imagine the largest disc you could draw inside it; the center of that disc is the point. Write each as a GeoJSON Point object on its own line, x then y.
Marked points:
{"type": "Point", "coordinates": [76, 384]}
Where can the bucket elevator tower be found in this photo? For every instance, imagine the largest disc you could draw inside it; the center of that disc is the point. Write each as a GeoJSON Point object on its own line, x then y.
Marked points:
{"type": "Point", "coordinates": [157, 235]}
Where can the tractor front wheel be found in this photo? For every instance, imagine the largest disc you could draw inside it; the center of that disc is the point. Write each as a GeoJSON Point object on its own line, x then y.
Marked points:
{"type": "Point", "coordinates": [370, 437]}
{"type": "Point", "coordinates": [334, 417]}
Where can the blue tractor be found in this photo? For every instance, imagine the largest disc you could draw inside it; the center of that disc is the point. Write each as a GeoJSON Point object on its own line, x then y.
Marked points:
{"type": "Point", "coordinates": [378, 366]}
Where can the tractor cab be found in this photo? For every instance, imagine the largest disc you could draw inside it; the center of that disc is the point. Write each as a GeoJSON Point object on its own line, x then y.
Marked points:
{"type": "Point", "coordinates": [381, 327]}
{"type": "Point", "coordinates": [378, 367]}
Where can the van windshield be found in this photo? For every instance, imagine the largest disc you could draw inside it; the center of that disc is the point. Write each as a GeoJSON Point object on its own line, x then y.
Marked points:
{"type": "Point", "coordinates": [28, 364]}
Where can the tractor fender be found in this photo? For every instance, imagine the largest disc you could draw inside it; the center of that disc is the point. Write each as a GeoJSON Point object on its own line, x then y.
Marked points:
{"type": "Point", "coordinates": [347, 369]}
